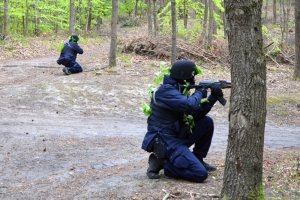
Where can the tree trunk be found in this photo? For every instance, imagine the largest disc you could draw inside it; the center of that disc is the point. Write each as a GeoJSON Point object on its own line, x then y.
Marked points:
{"type": "Point", "coordinates": [297, 39]}
{"type": "Point", "coordinates": [99, 22]}
{"type": "Point", "coordinates": [6, 16]}
{"type": "Point", "coordinates": [89, 16]}
{"type": "Point", "coordinates": [275, 12]}
{"type": "Point", "coordinates": [155, 22]}
{"type": "Point", "coordinates": [136, 8]}
{"type": "Point", "coordinates": [72, 17]}
{"type": "Point", "coordinates": [174, 30]}
{"type": "Point", "coordinates": [149, 17]}
{"type": "Point", "coordinates": [266, 10]}
{"type": "Point", "coordinates": [210, 24]}
{"type": "Point", "coordinates": [247, 115]}
{"type": "Point", "coordinates": [26, 18]}
{"type": "Point", "coordinates": [204, 24]}
{"type": "Point", "coordinates": [185, 14]}
{"type": "Point", "coordinates": [113, 41]}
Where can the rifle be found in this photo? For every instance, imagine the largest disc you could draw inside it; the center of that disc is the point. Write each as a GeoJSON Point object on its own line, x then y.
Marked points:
{"type": "Point", "coordinates": [212, 85]}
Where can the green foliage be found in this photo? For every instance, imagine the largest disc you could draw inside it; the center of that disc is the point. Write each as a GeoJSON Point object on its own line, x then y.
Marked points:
{"type": "Point", "coordinates": [219, 5]}
{"type": "Point", "coordinates": [188, 6]}
{"type": "Point", "coordinates": [265, 31]}
{"type": "Point", "coordinates": [146, 109]}
{"type": "Point", "coordinates": [188, 120]}
{"type": "Point", "coordinates": [126, 7]}
{"type": "Point", "coordinates": [47, 16]}
{"type": "Point", "coordinates": [188, 34]}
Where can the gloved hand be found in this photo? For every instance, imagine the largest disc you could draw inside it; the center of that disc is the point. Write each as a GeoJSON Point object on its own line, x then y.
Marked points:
{"type": "Point", "coordinates": [203, 91]}
{"type": "Point", "coordinates": [58, 62]}
{"type": "Point", "coordinates": [217, 92]}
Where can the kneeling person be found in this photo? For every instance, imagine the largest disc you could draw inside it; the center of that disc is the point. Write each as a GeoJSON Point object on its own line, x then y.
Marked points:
{"type": "Point", "coordinates": [168, 139]}
{"type": "Point", "coordinates": [68, 56]}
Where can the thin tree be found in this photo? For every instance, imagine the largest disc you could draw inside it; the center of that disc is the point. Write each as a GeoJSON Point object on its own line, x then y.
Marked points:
{"type": "Point", "coordinates": [185, 13]}
{"type": "Point", "coordinates": [266, 11]}
{"type": "Point", "coordinates": [210, 24]}
{"type": "Point", "coordinates": [275, 12]}
{"type": "Point", "coordinates": [136, 8]}
{"type": "Point", "coordinates": [89, 16]}
{"type": "Point", "coordinates": [204, 24]}
{"type": "Point", "coordinates": [72, 17]}
{"type": "Point", "coordinates": [149, 18]}
{"type": "Point", "coordinates": [174, 30]}
{"type": "Point", "coordinates": [113, 40]}
{"type": "Point", "coordinates": [155, 21]}
{"type": "Point", "coordinates": [6, 18]}
{"type": "Point", "coordinates": [297, 40]}
{"type": "Point", "coordinates": [247, 114]}
{"type": "Point", "coordinates": [26, 18]}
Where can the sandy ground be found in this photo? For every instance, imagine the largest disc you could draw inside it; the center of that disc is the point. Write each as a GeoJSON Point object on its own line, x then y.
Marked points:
{"type": "Point", "coordinates": [79, 136]}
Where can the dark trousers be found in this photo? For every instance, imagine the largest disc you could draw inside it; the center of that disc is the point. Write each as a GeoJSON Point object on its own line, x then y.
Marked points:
{"type": "Point", "coordinates": [73, 67]}
{"type": "Point", "coordinates": [184, 164]}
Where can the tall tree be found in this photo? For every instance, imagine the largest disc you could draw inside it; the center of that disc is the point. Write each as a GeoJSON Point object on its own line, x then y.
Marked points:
{"type": "Point", "coordinates": [89, 16]}
{"type": "Point", "coordinates": [6, 18]}
{"type": "Point", "coordinates": [204, 24]}
{"type": "Point", "coordinates": [155, 21]}
{"type": "Point", "coordinates": [266, 10]}
{"type": "Point", "coordinates": [149, 18]}
{"type": "Point", "coordinates": [275, 12]}
{"type": "Point", "coordinates": [297, 39]}
{"type": "Point", "coordinates": [72, 17]}
{"type": "Point", "coordinates": [113, 41]}
{"type": "Point", "coordinates": [247, 114]}
{"type": "Point", "coordinates": [210, 24]}
{"type": "Point", "coordinates": [174, 30]}
{"type": "Point", "coordinates": [26, 18]}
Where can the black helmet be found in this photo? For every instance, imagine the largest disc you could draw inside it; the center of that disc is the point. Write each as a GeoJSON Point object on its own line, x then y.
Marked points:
{"type": "Point", "coordinates": [74, 38]}
{"type": "Point", "coordinates": [183, 70]}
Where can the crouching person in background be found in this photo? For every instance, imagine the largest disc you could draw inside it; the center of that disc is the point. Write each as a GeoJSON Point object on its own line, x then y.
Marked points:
{"type": "Point", "coordinates": [68, 56]}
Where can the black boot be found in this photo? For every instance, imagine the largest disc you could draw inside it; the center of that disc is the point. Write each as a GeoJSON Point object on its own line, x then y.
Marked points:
{"type": "Point", "coordinates": [155, 165]}
{"type": "Point", "coordinates": [207, 166]}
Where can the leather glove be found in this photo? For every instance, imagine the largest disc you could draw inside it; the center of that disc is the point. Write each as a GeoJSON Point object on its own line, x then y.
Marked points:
{"type": "Point", "coordinates": [217, 92]}
{"type": "Point", "coordinates": [203, 91]}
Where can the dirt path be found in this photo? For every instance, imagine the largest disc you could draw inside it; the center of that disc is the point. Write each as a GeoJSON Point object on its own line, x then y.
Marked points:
{"type": "Point", "coordinates": [79, 136]}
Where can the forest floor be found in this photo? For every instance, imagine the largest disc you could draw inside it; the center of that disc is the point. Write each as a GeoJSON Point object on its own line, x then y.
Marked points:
{"type": "Point", "coordinates": [79, 136]}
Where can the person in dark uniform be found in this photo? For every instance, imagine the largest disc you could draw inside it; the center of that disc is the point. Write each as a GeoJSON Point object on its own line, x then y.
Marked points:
{"type": "Point", "coordinates": [168, 138]}
{"type": "Point", "coordinates": [68, 56]}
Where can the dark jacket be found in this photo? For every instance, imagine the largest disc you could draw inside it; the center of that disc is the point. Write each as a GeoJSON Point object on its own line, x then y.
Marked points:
{"type": "Point", "coordinates": [69, 52]}
{"type": "Point", "coordinates": [168, 108]}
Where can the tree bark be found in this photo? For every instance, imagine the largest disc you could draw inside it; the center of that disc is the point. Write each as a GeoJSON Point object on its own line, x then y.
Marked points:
{"type": "Point", "coordinates": [149, 17]}
{"type": "Point", "coordinates": [72, 17]}
{"type": "Point", "coordinates": [136, 8]}
{"type": "Point", "coordinates": [297, 39]}
{"type": "Point", "coordinates": [155, 22]}
{"type": "Point", "coordinates": [26, 18]}
{"type": "Point", "coordinates": [185, 14]}
{"type": "Point", "coordinates": [247, 115]}
{"type": "Point", "coordinates": [89, 16]}
{"type": "Point", "coordinates": [174, 30]}
{"type": "Point", "coordinates": [204, 24]}
{"type": "Point", "coordinates": [6, 18]}
{"type": "Point", "coordinates": [113, 41]}
{"type": "Point", "coordinates": [210, 24]}
{"type": "Point", "coordinates": [275, 12]}
{"type": "Point", "coordinates": [266, 10]}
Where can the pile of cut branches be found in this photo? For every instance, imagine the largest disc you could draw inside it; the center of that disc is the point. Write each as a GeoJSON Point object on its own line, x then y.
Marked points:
{"type": "Point", "coordinates": [161, 48]}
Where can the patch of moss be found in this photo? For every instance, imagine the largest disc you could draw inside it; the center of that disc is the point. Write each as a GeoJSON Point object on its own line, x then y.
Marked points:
{"type": "Point", "coordinates": [281, 100]}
